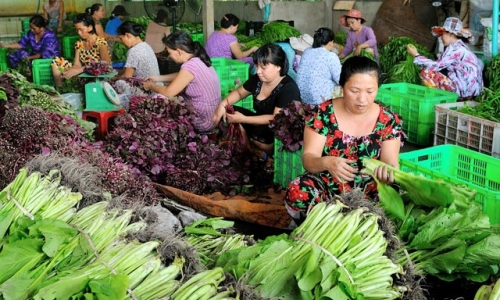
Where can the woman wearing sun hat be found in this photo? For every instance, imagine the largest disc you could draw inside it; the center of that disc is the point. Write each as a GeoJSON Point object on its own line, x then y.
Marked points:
{"type": "Point", "coordinates": [359, 37]}
{"type": "Point", "coordinates": [458, 69]}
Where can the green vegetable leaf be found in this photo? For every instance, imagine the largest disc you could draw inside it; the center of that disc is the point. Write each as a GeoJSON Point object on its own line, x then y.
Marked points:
{"type": "Point", "coordinates": [20, 256]}
{"type": "Point", "coordinates": [112, 287]}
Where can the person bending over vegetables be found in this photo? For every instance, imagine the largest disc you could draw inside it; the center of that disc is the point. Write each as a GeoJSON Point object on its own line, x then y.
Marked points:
{"type": "Point", "coordinates": [339, 134]}
{"type": "Point", "coordinates": [197, 82]}
{"type": "Point", "coordinates": [319, 69]}
{"type": "Point", "coordinates": [141, 60]}
{"type": "Point", "coordinates": [360, 38]}
{"type": "Point", "coordinates": [271, 88]}
{"type": "Point", "coordinates": [223, 43]}
{"type": "Point", "coordinates": [39, 42]}
{"type": "Point", "coordinates": [90, 48]}
{"type": "Point", "coordinates": [458, 69]}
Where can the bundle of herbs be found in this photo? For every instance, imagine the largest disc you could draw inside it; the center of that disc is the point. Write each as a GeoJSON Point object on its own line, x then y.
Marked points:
{"type": "Point", "coordinates": [96, 68]}
{"type": "Point", "coordinates": [288, 125]}
{"type": "Point", "coordinates": [277, 31]}
{"type": "Point", "coordinates": [395, 51]}
{"type": "Point", "coordinates": [405, 71]}
{"type": "Point", "coordinates": [491, 73]}
{"type": "Point", "coordinates": [444, 230]}
{"type": "Point", "coordinates": [158, 138]}
{"type": "Point", "coordinates": [488, 107]}
{"type": "Point", "coordinates": [336, 253]}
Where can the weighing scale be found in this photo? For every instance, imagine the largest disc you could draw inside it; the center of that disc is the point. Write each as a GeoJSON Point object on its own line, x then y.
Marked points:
{"type": "Point", "coordinates": [100, 96]}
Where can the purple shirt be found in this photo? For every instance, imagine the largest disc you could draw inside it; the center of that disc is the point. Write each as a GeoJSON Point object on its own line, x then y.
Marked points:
{"type": "Point", "coordinates": [366, 35]}
{"type": "Point", "coordinates": [47, 46]}
{"type": "Point", "coordinates": [219, 45]}
{"type": "Point", "coordinates": [463, 67]}
{"type": "Point", "coordinates": [203, 92]}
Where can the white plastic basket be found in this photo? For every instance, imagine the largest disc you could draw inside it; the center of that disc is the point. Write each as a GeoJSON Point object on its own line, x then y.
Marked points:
{"type": "Point", "coordinates": [453, 127]}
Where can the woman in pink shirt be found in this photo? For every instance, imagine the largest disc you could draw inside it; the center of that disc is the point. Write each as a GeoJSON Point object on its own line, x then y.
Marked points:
{"type": "Point", "coordinates": [359, 37]}
{"type": "Point", "coordinates": [197, 82]}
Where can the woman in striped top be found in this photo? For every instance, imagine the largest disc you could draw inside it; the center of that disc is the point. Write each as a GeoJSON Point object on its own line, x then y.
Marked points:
{"type": "Point", "coordinates": [196, 82]}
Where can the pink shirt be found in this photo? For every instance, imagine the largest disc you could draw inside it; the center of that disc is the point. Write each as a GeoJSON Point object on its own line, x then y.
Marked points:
{"type": "Point", "coordinates": [203, 92]}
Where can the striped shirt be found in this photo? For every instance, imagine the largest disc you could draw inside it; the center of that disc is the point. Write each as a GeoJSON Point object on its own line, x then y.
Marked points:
{"type": "Point", "coordinates": [203, 92]}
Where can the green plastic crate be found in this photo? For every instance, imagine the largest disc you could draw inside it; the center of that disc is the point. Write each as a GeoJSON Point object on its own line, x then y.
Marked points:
{"type": "Point", "coordinates": [415, 104]}
{"type": "Point", "coordinates": [459, 165]}
{"type": "Point", "coordinates": [42, 72]}
{"type": "Point", "coordinates": [198, 37]}
{"type": "Point", "coordinates": [3, 59]}
{"type": "Point", "coordinates": [68, 46]}
{"type": "Point", "coordinates": [287, 165]}
{"type": "Point", "coordinates": [25, 26]}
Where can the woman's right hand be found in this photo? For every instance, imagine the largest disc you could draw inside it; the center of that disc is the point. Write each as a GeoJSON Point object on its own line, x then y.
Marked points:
{"type": "Point", "coordinates": [152, 78]}
{"type": "Point", "coordinates": [70, 73]}
{"type": "Point", "coordinates": [340, 168]}
{"type": "Point", "coordinates": [412, 50]}
{"type": "Point", "coordinates": [220, 112]}
{"type": "Point", "coordinates": [254, 48]}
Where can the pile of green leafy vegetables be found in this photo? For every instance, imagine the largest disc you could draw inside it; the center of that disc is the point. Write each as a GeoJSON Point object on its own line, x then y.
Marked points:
{"type": "Point", "coordinates": [488, 107]}
{"type": "Point", "coordinates": [277, 31]}
{"type": "Point", "coordinates": [443, 228]}
{"type": "Point", "coordinates": [394, 55]}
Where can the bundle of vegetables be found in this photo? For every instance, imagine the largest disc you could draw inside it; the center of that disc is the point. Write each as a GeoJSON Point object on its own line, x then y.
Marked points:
{"type": "Point", "coordinates": [130, 85]}
{"type": "Point", "coordinates": [191, 28]}
{"type": "Point", "coordinates": [96, 68]}
{"type": "Point", "coordinates": [444, 230]}
{"type": "Point", "coordinates": [395, 51]}
{"type": "Point", "coordinates": [51, 251]}
{"type": "Point", "coordinates": [288, 125]}
{"type": "Point", "coordinates": [488, 292]}
{"type": "Point", "coordinates": [363, 53]}
{"type": "Point", "coordinates": [235, 140]}
{"type": "Point", "coordinates": [26, 132]}
{"type": "Point", "coordinates": [488, 107]}
{"type": "Point", "coordinates": [250, 41]}
{"type": "Point", "coordinates": [211, 237]}
{"type": "Point", "coordinates": [491, 72]}
{"type": "Point", "coordinates": [277, 31]}
{"type": "Point", "coordinates": [48, 99]}
{"type": "Point", "coordinates": [158, 138]}
{"type": "Point", "coordinates": [340, 38]}
{"type": "Point", "coordinates": [334, 254]}
{"type": "Point", "coordinates": [405, 71]}
{"type": "Point", "coordinates": [10, 82]}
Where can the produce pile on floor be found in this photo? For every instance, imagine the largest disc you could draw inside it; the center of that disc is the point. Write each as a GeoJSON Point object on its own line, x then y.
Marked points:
{"type": "Point", "coordinates": [81, 219]}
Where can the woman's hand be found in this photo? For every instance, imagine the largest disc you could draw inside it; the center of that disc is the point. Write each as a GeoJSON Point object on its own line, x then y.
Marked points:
{"type": "Point", "coordinates": [340, 168]}
{"type": "Point", "coordinates": [220, 112]}
{"type": "Point", "coordinates": [237, 117]}
{"type": "Point", "coordinates": [71, 72]}
{"type": "Point", "coordinates": [148, 84]}
{"type": "Point", "coordinates": [357, 50]}
{"type": "Point", "coordinates": [254, 48]}
{"type": "Point", "coordinates": [411, 50]}
{"type": "Point", "coordinates": [153, 78]}
{"type": "Point", "coordinates": [384, 175]}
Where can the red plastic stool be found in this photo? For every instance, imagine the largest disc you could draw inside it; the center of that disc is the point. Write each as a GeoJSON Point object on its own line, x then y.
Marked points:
{"type": "Point", "coordinates": [102, 119]}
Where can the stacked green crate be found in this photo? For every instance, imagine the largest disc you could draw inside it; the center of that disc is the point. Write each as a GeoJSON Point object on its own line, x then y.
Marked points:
{"type": "Point", "coordinates": [287, 165]}
{"type": "Point", "coordinates": [458, 165]}
{"type": "Point", "coordinates": [42, 71]}
{"type": "Point", "coordinates": [198, 37]}
{"type": "Point", "coordinates": [68, 46]}
{"type": "Point", "coordinates": [3, 59]}
{"type": "Point", "coordinates": [415, 104]}
{"type": "Point", "coordinates": [232, 74]}
{"type": "Point", "coordinates": [25, 26]}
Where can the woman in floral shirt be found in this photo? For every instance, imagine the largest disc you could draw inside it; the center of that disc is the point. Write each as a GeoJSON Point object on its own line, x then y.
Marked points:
{"type": "Point", "coordinates": [91, 48]}
{"type": "Point", "coordinates": [458, 69]}
{"type": "Point", "coordinates": [339, 134]}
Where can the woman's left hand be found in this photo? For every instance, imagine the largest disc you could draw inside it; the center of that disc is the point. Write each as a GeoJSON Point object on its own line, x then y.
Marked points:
{"type": "Point", "coordinates": [237, 117]}
{"type": "Point", "coordinates": [384, 175]}
{"type": "Point", "coordinates": [357, 51]}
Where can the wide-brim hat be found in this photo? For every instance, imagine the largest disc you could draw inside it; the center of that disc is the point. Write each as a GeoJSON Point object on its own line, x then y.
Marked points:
{"type": "Point", "coordinates": [353, 13]}
{"type": "Point", "coordinates": [120, 10]}
{"type": "Point", "coordinates": [452, 25]}
{"type": "Point", "coordinates": [302, 42]}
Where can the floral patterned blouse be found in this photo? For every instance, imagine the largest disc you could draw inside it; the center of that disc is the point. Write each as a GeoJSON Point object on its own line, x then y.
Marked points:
{"type": "Point", "coordinates": [93, 54]}
{"type": "Point", "coordinates": [340, 144]}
